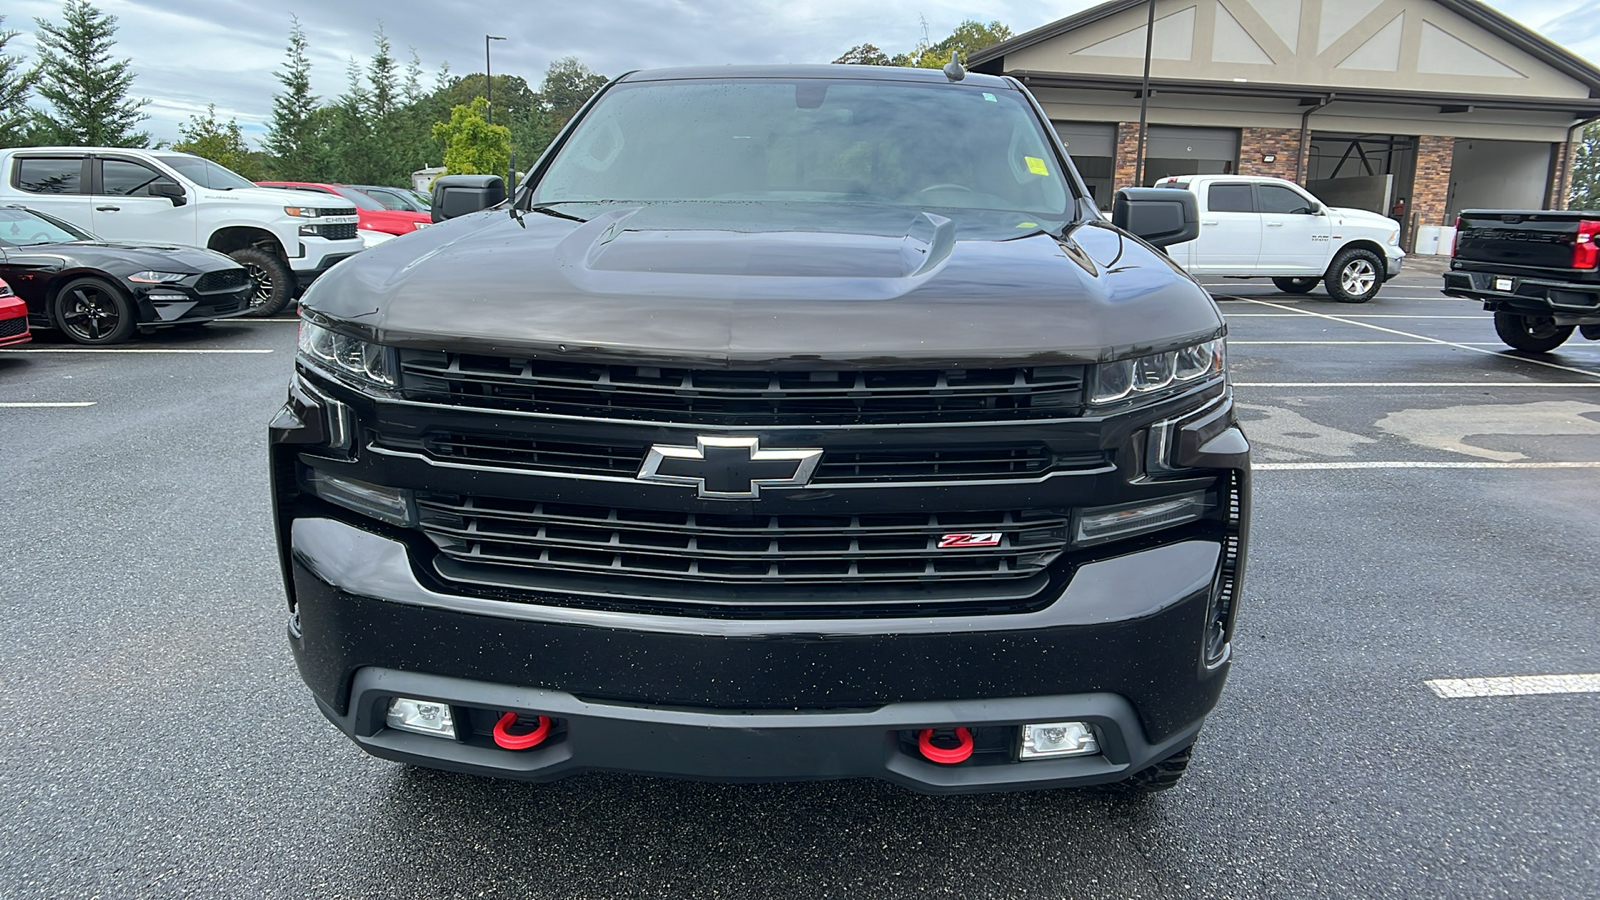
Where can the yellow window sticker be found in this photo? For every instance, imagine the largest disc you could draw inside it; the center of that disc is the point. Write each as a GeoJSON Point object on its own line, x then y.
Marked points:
{"type": "Point", "coordinates": [1027, 224]}
{"type": "Point", "coordinates": [1036, 165]}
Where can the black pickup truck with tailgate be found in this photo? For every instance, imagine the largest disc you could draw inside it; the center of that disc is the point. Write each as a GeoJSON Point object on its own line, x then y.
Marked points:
{"type": "Point", "coordinates": [784, 423]}
{"type": "Point", "coordinates": [1537, 271]}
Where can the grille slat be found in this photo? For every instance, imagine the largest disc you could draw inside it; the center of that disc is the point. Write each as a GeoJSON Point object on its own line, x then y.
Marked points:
{"type": "Point", "coordinates": [225, 280]}
{"type": "Point", "coordinates": [649, 393]}
{"type": "Point", "coordinates": [772, 550]}
{"type": "Point", "coordinates": [13, 327]}
{"type": "Point", "coordinates": [837, 466]}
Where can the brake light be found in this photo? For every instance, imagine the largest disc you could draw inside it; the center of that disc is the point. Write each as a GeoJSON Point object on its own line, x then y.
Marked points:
{"type": "Point", "coordinates": [1455, 244]}
{"type": "Point", "coordinates": [1585, 253]}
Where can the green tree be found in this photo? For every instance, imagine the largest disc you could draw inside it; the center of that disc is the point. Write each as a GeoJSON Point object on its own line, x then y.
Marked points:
{"type": "Point", "coordinates": [864, 55]}
{"type": "Point", "coordinates": [968, 38]}
{"type": "Point", "coordinates": [352, 156]}
{"type": "Point", "coordinates": [568, 84]}
{"type": "Point", "coordinates": [86, 89]}
{"type": "Point", "coordinates": [15, 83]}
{"type": "Point", "coordinates": [1584, 192]}
{"type": "Point", "coordinates": [471, 145]}
{"type": "Point", "coordinates": [221, 143]}
{"type": "Point", "coordinates": [293, 138]}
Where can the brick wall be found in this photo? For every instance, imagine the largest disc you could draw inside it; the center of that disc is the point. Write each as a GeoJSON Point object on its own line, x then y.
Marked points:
{"type": "Point", "coordinates": [1430, 189]}
{"type": "Point", "coordinates": [1283, 143]}
{"type": "Point", "coordinates": [1127, 159]}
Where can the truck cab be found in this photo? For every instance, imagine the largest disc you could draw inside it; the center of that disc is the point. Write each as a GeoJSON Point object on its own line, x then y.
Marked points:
{"type": "Point", "coordinates": [285, 240]}
{"type": "Point", "coordinates": [1253, 227]}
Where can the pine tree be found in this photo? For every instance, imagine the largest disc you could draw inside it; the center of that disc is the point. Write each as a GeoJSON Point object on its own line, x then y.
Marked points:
{"type": "Point", "coordinates": [292, 137]}
{"type": "Point", "coordinates": [1585, 182]}
{"type": "Point", "coordinates": [15, 83]}
{"type": "Point", "coordinates": [86, 89]}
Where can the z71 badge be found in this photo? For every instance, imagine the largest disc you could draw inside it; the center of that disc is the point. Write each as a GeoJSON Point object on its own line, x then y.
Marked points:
{"type": "Point", "coordinates": [980, 539]}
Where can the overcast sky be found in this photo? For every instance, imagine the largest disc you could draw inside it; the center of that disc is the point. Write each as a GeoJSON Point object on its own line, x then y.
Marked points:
{"type": "Point", "coordinates": [187, 53]}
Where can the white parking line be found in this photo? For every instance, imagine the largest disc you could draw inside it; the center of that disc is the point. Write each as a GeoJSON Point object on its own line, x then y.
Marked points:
{"type": "Point", "coordinates": [1296, 315]}
{"type": "Point", "coordinates": [1422, 337]}
{"type": "Point", "coordinates": [1334, 343]}
{"type": "Point", "coordinates": [47, 405]}
{"type": "Point", "coordinates": [1415, 384]}
{"type": "Point", "coordinates": [1419, 464]}
{"type": "Point", "coordinates": [1514, 686]}
{"type": "Point", "coordinates": [121, 350]}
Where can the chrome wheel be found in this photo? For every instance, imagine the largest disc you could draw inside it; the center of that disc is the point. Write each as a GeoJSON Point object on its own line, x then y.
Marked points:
{"type": "Point", "coordinates": [88, 315]}
{"type": "Point", "coordinates": [261, 281]}
{"type": "Point", "coordinates": [1358, 276]}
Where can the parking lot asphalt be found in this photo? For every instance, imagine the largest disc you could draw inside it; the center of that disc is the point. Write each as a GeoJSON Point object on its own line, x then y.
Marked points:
{"type": "Point", "coordinates": [1427, 507]}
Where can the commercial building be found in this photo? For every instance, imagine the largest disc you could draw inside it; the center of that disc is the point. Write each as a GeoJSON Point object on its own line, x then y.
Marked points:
{"type": "Point", "coordinates": [1414, 108]}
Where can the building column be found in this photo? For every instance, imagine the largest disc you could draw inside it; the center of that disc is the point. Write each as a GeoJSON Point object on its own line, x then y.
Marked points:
{"type": "Point", "coordinates": [1430, 188]}
{"type": "Point", "coordinates": [1560, 175]}
{"type": "Point", "coordinates": [1125, 166]}
{"type": "Point", "coordinates": [1256, 144]}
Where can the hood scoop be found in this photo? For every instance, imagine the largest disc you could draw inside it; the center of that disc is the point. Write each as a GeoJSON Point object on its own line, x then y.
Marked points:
{"type": "Point", "coordinates": [623, 242]}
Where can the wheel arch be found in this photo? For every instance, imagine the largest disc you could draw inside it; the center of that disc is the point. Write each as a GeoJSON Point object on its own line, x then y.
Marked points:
{"type": "Point", "coordinates": [1371, 246]}
{"type": "Point", "coordinates": [237, 237]}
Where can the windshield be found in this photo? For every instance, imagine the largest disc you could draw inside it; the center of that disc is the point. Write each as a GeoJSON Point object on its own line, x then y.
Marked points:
{"type": "Point", "coordinates": [24, 228]}
{"type": "Point", "coordinates": [896, 143]}
{"type": "Point", "coordinates": [394, 198]}
{"type": "Point", "coordinates": [362, 201]}
{"type": "Point", "coordinates": [206, 173]}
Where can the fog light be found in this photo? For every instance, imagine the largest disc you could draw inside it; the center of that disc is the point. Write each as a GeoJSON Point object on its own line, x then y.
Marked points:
{"type": "Point", "coordinates": [1053, 739]}
{"type": "Point", "coordinates": [1108, 523]}
{"type": "Point", "coordinates": [388, 504]}
{"type": "Point", "coordinates": [421, 716]}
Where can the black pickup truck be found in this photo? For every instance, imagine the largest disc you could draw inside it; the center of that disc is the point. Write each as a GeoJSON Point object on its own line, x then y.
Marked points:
{"type": "Point", "coordinates": [1537, 271]}
{"type": "Point", "coordinates": [785, 423]}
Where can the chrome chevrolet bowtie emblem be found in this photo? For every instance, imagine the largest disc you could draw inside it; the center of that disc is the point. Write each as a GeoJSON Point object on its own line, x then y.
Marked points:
{"type": "Point", "coordinates": [729, 468]}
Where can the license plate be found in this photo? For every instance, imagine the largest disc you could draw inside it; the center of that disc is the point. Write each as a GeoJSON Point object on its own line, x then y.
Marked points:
{"type": "Point", "coordinates": [1502, 284]}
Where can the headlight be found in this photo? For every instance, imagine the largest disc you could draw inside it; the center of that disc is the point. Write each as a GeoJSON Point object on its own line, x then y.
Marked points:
{"type": "Point", "coordinates": [1151, 375]}
{"type": "Point", "coordinates": [1394, 238]}
{"type": "Point", "coordinates": [353, 357]}
{"type": "Point", "coordinates": [158, 277]}
{"type": "Point", "coordinates": [301, 212]}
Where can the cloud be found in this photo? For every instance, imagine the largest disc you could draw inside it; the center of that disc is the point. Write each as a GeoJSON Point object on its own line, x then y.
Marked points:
{"type": "Point", "coordinates": [190, 53]}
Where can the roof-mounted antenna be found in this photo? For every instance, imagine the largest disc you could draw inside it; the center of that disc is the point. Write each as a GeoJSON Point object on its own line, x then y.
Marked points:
{"type": "Point", "coordinates": [953, 69]}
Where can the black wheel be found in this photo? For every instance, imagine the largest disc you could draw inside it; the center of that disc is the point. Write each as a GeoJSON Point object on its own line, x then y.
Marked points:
{"type": "Point", "coordinates": [1355, 276]}
{"type": "Point", "coordinates": [1162, 776]}
{"type": "Point", "coordinates": [1530, 334]}
{"type": "Point", "coordinates": [274, 280]}
{"type": "Point", "coordinates": [92, 311]}
{"type": "Point", "coordinates": [1296, 285]}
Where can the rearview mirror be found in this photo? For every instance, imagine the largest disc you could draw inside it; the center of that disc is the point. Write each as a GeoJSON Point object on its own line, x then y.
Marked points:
{"type": "Point", "coordinates": [167, 189]}
{"type": "Point", "coordinates": [1160, 216]}
{"type": "Point", "coordinates": [457, 195]}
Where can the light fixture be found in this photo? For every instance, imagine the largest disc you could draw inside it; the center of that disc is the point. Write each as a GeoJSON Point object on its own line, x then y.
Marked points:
{"type": "Point", "coordinates": [1049, 740]}
{"type": "Point", "coordinates": [1269, 157]}
{"type": "Point", "coordinates": [427, 717]}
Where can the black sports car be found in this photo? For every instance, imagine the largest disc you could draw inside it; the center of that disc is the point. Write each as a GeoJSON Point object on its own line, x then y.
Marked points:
{"type": "Point", "coordinates": [100, 292]}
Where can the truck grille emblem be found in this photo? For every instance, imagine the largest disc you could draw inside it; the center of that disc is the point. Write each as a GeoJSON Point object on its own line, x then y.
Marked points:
{"type": "Point", "coordinates": [978, 539]}
{"type": "Point", "coordinates": [728, 468]}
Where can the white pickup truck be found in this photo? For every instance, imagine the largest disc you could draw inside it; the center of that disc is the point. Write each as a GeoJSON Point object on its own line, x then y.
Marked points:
{"type": "Point", "coordinates": [1252, 227]}
{"type": "Point", "coordinates": [285, 239]}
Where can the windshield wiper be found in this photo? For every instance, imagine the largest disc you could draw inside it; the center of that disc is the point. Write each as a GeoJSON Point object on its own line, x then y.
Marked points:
{"type": "Point", "coordinates": [545, 209]}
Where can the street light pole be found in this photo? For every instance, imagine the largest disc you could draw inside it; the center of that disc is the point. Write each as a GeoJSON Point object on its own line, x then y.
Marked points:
{"type": "Point", "coordinates": [488, 77]}
{"type": "Point", "coordinates": [1144, 94]}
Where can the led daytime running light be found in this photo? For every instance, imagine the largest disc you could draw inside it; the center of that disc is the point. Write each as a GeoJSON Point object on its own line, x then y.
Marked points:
{"type": "Point", "coordinates": [1124, 378]}
{"type": "Point", "coordinates": [362, 360]}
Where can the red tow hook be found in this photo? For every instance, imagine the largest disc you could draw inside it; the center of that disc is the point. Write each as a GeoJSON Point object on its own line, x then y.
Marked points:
{"type": "Point", "coordinates": [524, 741]}
{"type": "Point", "coordinates": [945, 755]}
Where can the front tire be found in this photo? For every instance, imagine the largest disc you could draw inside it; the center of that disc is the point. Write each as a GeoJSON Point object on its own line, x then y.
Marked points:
{"type": "Point", "coordinates": [1530, 334]}
{"type": "Point", "coordinates": [1355, 276]}
{"type": "Point", "coordinates": [1295, 285]}
{"type": "Point", "coordinates": [273, 279]}
{"type": "Point", "coordinates": [94, 312]}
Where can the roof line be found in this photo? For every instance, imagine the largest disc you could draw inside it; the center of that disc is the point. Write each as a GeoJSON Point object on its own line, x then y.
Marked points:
{"type": "Point", "coordinates": [1034, 79]}
{"type": "Point", "coordinates": [1492, 20]}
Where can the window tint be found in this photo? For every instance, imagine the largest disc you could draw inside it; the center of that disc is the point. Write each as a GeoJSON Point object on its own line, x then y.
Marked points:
{"type": "Point", "coordinates": [44, 175]}
{"type": "Point", "coordinates": [1278, 199]}
{"type": "Point", "coordinates": [121, 178]}
{"type": "Point", "coordinates": [1230, 198]}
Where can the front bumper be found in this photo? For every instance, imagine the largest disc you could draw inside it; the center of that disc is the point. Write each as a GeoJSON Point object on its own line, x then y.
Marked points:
{"type": "Point", "coordinates": [321, 255]}
{"type": "Point", "coordinates": [750, 700]}
{"type": "Point", "coordinates": [169, 304]}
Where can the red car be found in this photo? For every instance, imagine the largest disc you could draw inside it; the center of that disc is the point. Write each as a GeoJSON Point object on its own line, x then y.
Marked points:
{"type": "Point", "coordinates": [374, 216]}
{"type": "Point", "coordinates": [13, 317]}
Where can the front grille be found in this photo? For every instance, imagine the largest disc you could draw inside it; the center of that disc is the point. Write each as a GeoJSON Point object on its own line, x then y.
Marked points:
{"type": "Point", "coordinates": [726, 397]}
{"type": "Point", "coordinates": [339, 231]}
{"type": "Point", "coordinates": [13, 327]}
{"type": "Point", "coordinates": [225, 280]}
{"type": "Point", "coordinates": [879, 548]}
{"type": "Point", "coordinates": [966, 463]}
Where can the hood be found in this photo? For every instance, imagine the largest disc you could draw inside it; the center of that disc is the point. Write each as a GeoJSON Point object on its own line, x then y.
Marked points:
{"type": "Point", "coordinates": [122, 257]}
{"type": "Point", "coordinates": [1351, 216]}
{"type": "Point", "coordinates": [752, 284]}
{"type": "Point", "coordinates": [280, 198]}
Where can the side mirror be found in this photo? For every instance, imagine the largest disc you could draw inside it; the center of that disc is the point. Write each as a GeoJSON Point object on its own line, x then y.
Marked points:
{"type": "Point", "coordinates": [1160, 216]}
{"type": "Point", "coordinates": [171, 191]}
{"type": "Point", "coordinates": [457, 195]}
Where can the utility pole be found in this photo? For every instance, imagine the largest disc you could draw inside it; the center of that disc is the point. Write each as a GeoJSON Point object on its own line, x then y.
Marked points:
{"type": "Point", "coordinates": [1144, 94]}
{"type": "Point", "coordinates": [488, 79]}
